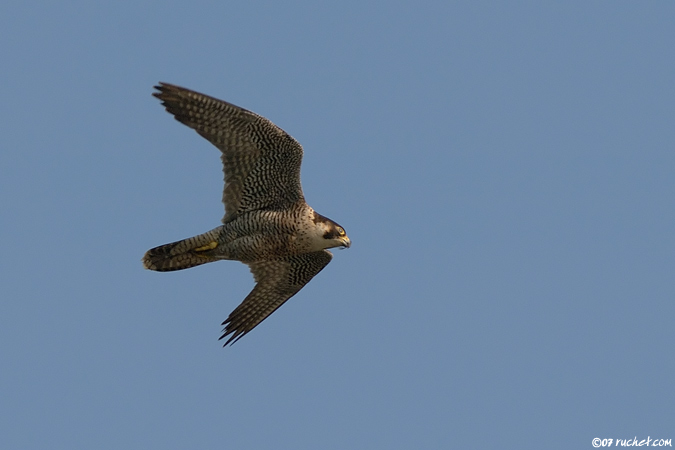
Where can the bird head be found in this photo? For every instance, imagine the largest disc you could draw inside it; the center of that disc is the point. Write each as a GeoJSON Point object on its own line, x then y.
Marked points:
{"type": "Point", "coordinates": [333, 234]}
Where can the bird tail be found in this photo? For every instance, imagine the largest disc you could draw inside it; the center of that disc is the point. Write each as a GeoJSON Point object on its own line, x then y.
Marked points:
{"type": "Point", "coordinates": [183, 254]}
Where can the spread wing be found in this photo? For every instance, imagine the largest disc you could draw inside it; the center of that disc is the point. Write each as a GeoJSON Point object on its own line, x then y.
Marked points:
{"type": "Point", "coordinates": [261, 161]}
{"type": "Point", "coordinates": [277, 281]}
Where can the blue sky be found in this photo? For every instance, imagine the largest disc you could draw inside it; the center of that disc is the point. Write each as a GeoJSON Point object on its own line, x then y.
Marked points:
{"type": "Point", "coordinates": [505, 171]}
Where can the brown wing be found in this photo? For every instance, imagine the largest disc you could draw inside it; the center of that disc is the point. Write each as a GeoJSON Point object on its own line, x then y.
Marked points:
{"type": "Point", "coordinates": [277, 282]}
{"type": "Point", "coordinates": [261, 162]}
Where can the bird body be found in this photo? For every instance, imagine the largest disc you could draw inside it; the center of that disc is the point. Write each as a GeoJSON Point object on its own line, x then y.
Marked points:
{"type": "Point", "coordinates": [267, 223]}
{"type": "Point", "coordinates": [254, 236]}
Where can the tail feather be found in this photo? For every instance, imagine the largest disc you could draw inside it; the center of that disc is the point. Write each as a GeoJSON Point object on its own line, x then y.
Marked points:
{"type": "Point", "coordinates": [183, 254]}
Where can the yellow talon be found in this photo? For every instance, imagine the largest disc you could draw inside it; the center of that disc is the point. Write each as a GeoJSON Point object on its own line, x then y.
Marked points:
{"type": "Point", "coordinates": [210, 246]}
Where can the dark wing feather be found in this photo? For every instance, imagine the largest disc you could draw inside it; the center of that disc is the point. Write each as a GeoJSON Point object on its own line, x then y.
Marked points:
{"type": "Point", "coordinates": [277, 281]}
{"type": "Point", "coordinates": [261, 162]}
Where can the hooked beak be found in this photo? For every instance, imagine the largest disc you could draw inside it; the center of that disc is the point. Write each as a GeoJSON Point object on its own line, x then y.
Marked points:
{"type": "Point", "coordinates": [346, 243]}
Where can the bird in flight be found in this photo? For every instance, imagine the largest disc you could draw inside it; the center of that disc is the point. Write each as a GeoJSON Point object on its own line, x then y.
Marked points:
{"type": "Point", "coordinates": [267, 223]}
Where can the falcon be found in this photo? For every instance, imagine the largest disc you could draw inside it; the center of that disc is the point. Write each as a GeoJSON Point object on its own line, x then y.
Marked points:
{"type": "Point", "coordinates": [267, 223]}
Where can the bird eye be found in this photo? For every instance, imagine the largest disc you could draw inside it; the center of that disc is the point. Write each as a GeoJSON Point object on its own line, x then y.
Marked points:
{"type": "Point", "coordinates": [341, 231]}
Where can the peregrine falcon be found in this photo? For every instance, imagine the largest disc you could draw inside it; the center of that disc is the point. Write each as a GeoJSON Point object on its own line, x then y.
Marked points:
{"type": "Point", "coordinates": [267, 223]}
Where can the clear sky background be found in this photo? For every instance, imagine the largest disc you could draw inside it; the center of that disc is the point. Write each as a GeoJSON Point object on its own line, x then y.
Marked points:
{"type": "Point", "coordinates": [505, 170]}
